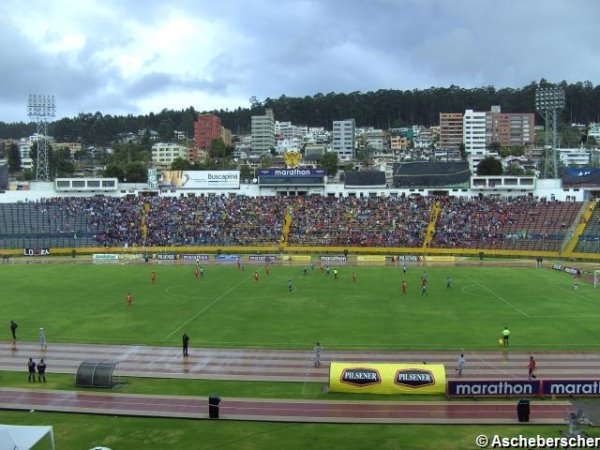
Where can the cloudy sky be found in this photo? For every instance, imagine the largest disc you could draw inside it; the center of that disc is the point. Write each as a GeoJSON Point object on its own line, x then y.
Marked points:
{"type": "Point", "coordinates": [132, 57]}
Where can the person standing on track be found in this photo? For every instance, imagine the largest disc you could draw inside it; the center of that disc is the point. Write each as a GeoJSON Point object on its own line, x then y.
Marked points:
{"type": "Point", "coordinates": [460, 364]}
{"type": "Point", "coordinates": [41, 367]}
{"type": "Point", "coordinates": [31, 369]}
{"type": "Point", "coordinates": [532, 366]}
{"type": "Point", "coordinates": [13, 329]}
{"type": "Point", "coordinates": [186, 343]}
{"type": "Point", "coordinates": [42, 338]}
{"type": "Point", "coordinates": [317, 349]}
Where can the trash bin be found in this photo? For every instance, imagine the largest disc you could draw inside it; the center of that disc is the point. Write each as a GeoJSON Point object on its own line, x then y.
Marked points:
{"type": "Point", "coordinates": [213, 406]}
{"type": "Point", "coordinates": [523, 410]}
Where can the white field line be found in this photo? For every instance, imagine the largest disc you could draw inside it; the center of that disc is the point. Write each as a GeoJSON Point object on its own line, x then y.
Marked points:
{"type": "Point", "coordinates": [506, 302]}
{"type": "Point", "coordinates": [220, 297]}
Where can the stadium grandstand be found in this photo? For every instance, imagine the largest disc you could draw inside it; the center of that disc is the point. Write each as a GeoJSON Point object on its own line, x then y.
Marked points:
{"type": "Point", "coordinates": [359, 216]}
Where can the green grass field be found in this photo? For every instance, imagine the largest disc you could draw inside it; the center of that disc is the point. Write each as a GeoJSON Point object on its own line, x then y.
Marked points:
{"type": "Point", "coordinates": [226, 308]}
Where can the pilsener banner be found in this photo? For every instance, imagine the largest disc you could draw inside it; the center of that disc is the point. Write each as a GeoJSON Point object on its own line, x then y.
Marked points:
{"type": "Point", "coordinates": [387, 378]}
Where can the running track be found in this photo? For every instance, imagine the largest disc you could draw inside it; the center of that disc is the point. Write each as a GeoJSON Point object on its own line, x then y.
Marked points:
{"type": "Point", "coordinates": [283, 365]}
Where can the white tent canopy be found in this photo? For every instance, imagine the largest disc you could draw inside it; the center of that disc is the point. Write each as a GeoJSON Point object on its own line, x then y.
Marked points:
{"type": "Point", "coordinates": [21, 437]}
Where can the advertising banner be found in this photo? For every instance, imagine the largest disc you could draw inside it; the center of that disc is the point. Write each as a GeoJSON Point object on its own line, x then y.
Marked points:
{"type": "Point", "coordinates": [575, 388]}
{"type": "Point", "coordinates": [336, 259]}
{"type": "Point", "coordinates": [291, 173]}
{"type": "Point", "coordinates": [262, 258]}
{"type": "Point", "coordinates": [386, 378]}
{"type": "Point", "coordinates": [36, 252]}
{"type": "Point", "coordinates": [194, 257]}
{"type": "Point", "coordinates": [439, 258]}
{"type": "Point", "coordinates": [165, 256]}
{"type": "Point", "coordinates": [200, 179]}
{"type": "Point", "coordinates": [227, 258]}
{"type": "Point", "coordinates": [371, 258]}
{"type": "Point", "coordinates": [105, 257]}
{"type": "Point", "coordinates": [493, 388]}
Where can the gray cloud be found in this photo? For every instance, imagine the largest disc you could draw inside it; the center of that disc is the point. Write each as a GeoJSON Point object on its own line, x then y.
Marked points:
{"type": "Point", "coordinates": [224, 52]}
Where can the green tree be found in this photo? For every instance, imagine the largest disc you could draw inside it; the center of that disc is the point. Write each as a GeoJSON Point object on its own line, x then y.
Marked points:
{"type": "Point", "coordinates": [489, 166]}
{"type": "Point", "coordinates": [114, 171]}
{"type": "Point", "coordinates": [514, 169]}
{"type": "Point", "coordinates": [217, 148]}
{"type": "Point", "coordinates": [165, 130]}
{"type": "Point", "coordinates": [246, 173]}
{"type": "Point", "coordinates": [181, 164]}
{"type": "Point", "coordinates": [329, 162]}
{"type": "Point", "coordinates": [14, 158]}
{"type": "Point", "coordinates": [136, 172]}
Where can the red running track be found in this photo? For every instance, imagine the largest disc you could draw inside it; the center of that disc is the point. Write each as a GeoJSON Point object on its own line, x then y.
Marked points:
{"type": "Point", "coordinates": [434, 412]}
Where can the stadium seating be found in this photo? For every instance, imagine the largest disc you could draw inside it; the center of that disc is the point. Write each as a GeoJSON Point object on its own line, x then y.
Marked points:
{"type": "Point", "coordinates": [589, 241]}
{"type": "Point", "coordinates": [517, 223]}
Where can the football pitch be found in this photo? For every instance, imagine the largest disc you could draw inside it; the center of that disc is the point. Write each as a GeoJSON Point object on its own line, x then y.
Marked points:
{"type": "Point", "coordinates": [227, 308]}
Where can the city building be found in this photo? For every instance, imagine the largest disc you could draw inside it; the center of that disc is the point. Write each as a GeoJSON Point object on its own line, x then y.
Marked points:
{"type": "Point", "coordinates": [263, 132]}
{"type": "Point", "coordinates": [451, 131]}
{"type": "Point", "coordinates": [474, 137]}
{"type": "Point", "coordinates": [163, 154]}
{"type": "Point", "coordinates": [510, 129]}
{"type": "Point", "coordinates": [206, 129]}
{"type": "Point", "coordinates": [343, 139]}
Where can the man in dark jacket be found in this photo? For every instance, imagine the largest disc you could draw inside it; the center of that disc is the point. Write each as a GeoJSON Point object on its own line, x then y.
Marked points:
{"type": "Point", "coordinates": [41, 367]}
{"type": "Point", "coordinates": [13, 329]}
{"type": "Point", "coordinates": [31, 369]}
{"type": "Point", "coordinates": [186, 342]}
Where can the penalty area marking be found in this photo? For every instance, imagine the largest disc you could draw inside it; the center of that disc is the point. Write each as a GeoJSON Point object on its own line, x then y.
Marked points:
{"type": "Point", "coordinates": [220, 297]}
{"type": "Point", "coordinates": [506, 302]}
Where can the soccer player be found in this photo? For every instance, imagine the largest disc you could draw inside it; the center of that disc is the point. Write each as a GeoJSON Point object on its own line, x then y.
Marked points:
{"type": "Point", "coordinates": [239, 264]}
{"type": "Point", "coordinates": [404, 268]}
{"type": "Point", "coordinates": [290, 285]}
{"type": "Point", "coordinates": [326, 270]}
{"type": "Point", "coordinates": [305, 271]}
{"type": "Point", "coordinates": [201, 272]}
{"type": "Point", "coordinates": [13, 329]}
{"type": "Point", "coordinates": [129, 299]}
{"type": "Point", "coordinates": [256, 277]}
{"type": "Point", "coordinates": [197, 272]}
{"type": "Point", "coordinates": [354, 277]}
{"type": "Point", "coordinates": [267, 269]}
{"type": "Point", "coordinates": [575, 282]}
{"type": "Point", "coordinates": [448, 282]}
{"type": "Point", "coordinates": [153, 277]}
{"type": "Point", "coordinates": [335, 273]}
{"type": "Point", "coordinates": [423, 286]}
{"type": "Point", "coordinates": [404, 287]}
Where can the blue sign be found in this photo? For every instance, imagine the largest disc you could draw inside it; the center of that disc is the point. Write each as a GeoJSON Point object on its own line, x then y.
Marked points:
{"type": "Point", "coordinates": [494, 388]}
{"type": "Point", "coordinates": [194, 257]}
{"type": "Point", "coordinates": [227, 257]}
{"type": "Point", "coordinates": [291, 173]}
{"type": "Point", "coordinates": [575, 388]}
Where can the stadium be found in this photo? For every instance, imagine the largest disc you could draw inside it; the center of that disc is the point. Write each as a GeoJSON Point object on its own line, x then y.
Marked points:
{"type": "Point", "coordinates": [319, 315]}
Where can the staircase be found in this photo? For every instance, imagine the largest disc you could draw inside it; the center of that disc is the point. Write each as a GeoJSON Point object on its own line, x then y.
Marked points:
{"type": "Point", "coordinates": [435, 213]}
{"type": "Point", "coordinates": [285, 230]}
{"type": "Point", "coordinates": [584, 218]}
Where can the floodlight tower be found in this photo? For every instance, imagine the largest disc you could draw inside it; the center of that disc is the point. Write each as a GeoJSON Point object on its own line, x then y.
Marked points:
{"type": "Point", "coordinates": [549, 101]}
{"type": "Point", "coordinates": [40, 108]}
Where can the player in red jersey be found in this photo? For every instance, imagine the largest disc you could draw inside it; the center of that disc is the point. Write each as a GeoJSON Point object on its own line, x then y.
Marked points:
{"type": "Point", "coordinates": [256, 277]}
{"type": "Point", "coordinates": [129, 299]}
{"type": "Point", "coordinates": [153, 277]}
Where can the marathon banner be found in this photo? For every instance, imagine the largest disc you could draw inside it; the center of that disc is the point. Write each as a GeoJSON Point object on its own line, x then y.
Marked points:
{"type": "Point", "coordinates": [572, 388]}
{"type": "Point", "coordinates": [494, 388]}
{"type": "Point", "coordinates": [194, 257]}
{"type": "Point", "coordinates": [262, 258]}
{"type": "Point", "coordinates": [36, 252]}
{"type": "Point", "coordinates": [165, 256]}
{"type": "Point", "coordinates": [296, 172]}
{"type": "Point", "coordinates": [338, 259]}
{"type": "Point", "coordinates": [386, 378]}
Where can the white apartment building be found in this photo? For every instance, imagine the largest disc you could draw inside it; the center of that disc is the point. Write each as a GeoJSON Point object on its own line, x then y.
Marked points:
{"type": "Point", "coordinates": [288, 130]}
{"type": "Point", "coordinates": [263, 132]}
{"type": "Point", "coordinates": [574, 156]}
{"type": "Point", "coordinates": [343, 138]}
{"type": "Point", "coordinates": [474, 132]}
{"type": "Point", "coordinates": [594, 131]}
{"type": "Point", "coordinates": [164, 154]}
